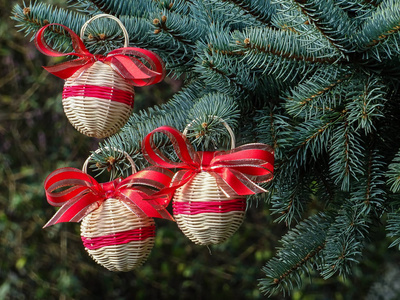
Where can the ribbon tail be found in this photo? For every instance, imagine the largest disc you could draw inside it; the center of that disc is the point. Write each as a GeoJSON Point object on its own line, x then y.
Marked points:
{"type": "Point", "coordinates": [72, 212]}
{"type": "Point", "coordinates": [67, 69]}
{"type": "Point", "coordinates": [160, 214]}
{"type": "Point", "coordinates": [75, 210]}
{"type": "Point", "coordinates": [133, 208]}
{"type": "Point", "coordinates": [154, 177]}
{"type": "Point", "coordinates": [135, 201]}
{"type": "Point", "coordinates": [237, 182]}
{"type": "Point", "coordinates": [151, 73]}
{"type": "Point", "coordinates": [160, 204]}
{"type": "Point", "coordinates": [181, 177]}
{"type": "Point", "coordinates": [133, 70]}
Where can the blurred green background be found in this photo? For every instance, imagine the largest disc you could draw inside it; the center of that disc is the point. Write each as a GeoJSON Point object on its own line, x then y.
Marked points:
{"type": "Point", "coordinates": [51, 263]}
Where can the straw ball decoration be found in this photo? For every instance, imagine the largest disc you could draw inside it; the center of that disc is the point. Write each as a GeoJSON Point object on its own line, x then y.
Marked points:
{"type": "Point", "coordinates": [99, 101]}
{"type": "Point", "coordinates": [201, 209]}
{"type": "Point", "coordinates": [210, 187]}
{"type": "Point", "coordinates": [98, 93]}
{"type": "Point", "coordinates": [117, 225]}
{"type": "Point", "coordinates": [204, 213]}
{"type": "Point", "coordinates": [116, 238]}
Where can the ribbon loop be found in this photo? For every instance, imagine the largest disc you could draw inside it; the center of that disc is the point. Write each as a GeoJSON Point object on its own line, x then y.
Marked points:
{"type": "Point", "coordinates": [189, 157]}
{"type": "Point", "coordinates": [240, 168]}
{"type": "Point", "coordinates": [128, 62]}
{"type": "Point", "coordinates": [82, 193]}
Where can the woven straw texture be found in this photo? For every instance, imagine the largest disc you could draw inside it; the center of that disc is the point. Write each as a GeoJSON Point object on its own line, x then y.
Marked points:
{"type": "Point", "coordinates": [206, 228]}
{"type": "Point", "coordinates": [97, 114]}
{"type": "Point", "coordinates": [110, 218]}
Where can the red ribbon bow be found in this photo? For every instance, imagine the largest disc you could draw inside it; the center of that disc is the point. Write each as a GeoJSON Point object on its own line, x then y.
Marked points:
{"type": "Point", "coordinates": [240, 168]}
{"type": "Point", "coordinates": [85, 194]}
{"type": "Point", "coordinates": [130, 68]}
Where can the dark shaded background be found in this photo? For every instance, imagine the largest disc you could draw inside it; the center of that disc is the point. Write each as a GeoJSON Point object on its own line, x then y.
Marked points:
{"type": "Point", "coordinates": [51, 263]}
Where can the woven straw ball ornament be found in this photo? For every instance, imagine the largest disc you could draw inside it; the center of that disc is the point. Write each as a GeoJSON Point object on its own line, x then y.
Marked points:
{"type": "Point", "coordinates": [211, 186]}
{"type": "Point", "coordinates": [98, 94]}
{"type": "Point", "coordinates": [117, 228]}
{"type": "Point", "coordinates": [117, 239]}
{"type": "Point", "coordinates": [204, 213]}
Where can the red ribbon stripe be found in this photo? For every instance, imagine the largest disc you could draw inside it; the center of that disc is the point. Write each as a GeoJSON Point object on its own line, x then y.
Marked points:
{"type": "Point", "coordinates": [118, 238]}
{"type": "Point", "coordinates": [101, 92]}
{"type": "Point", "coordinates": [201, 207]}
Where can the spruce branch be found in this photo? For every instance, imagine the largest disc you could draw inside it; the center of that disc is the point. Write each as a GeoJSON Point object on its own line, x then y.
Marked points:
{"type": "Point", "coordinates": [104, 6]}
{"type": "Point", "coordinates": [31, 18]}
{"type": "Point", "coordinates": [320, 93]}
{"type": "Point", "coordinates": [365, 104]}
{"type": "Point", "coordinates": [299, 246]}
{"type": "Point", "coordinates": [212, 49]}
{"type": "Point", "coordinates": [393, 174]}
{"type": "Point", "coordinates": [250, 46]}
{"type": "Point", "coordinates": [346, 153]}
{"type": "Point", "coordinates": [296, 174]}
{"type": "Point", "coordinates": [220, 66]}
{"type": "Point", "coordinates": [346, 237]}
{"type": "Point", "coordinates": [132, 8]}
{"type": "Point", "coordinates": [379, 33]}
{"type": "Point", "coordinates": [180, 28]}
{"type": "Point", "coordinates": [289, 17]}
{"type": "Point", "coordinates": [282, 54]}
{"type": "Point", "coordinates": [191, 104]}
{"type": "Point", "coordinates": [117, 8]}
{"type": "Point", "coordinates": [173, 113]}
{"type": "Point", "coordinates": [83, 6]}
{"type": "Point", "coordinates": [324, 187]}
{"type": "Point", "coordinates": [177, 35]}
{"type": "Point", "coordinates": [274, 129]}
{"type": "Point", "coordinates": [183, 7]}
{"type": "Point", "coordinates": [289, 202]}
{"type": "Point", "coordinates": [345, 240]}
{"type": "Point", "coordinates": [259, 10]}
{"type": "Point", "coordinates": [368, 194]}
{"type": "Point", "coordinates": [101, 37]}
{"type": "Point", "coordinates": [220, 77]}
{"type": "Point", "coordinates": [206, 130]}
{"type": "Point", "coordinates": [311, 138]}
{"type": "Point", "coordinates": [393, 228]}
{"type": "Point", "coordinates": [372, 2]}
{"type": "Point", "coordinates": [333, 23]}
{"type": "Point", "coordinates": [357, 9]}
{"type": "Point", "coordinates": [219, 41]}
{"type": "Point", "coordinates": [110, 161]}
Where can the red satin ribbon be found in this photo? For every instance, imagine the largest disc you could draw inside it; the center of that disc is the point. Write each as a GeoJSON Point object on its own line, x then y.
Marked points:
{"type": "Point", "coordinates": [84, 194]}
{"type": "Point", "coordinates": [241, 168]}
{"type": "Point", "coordinates": [202, 207]}
{"type": "Point", "coordinates": [130, 68]}
{"type": "Point", "coordinates": [100, 92]}
{"type": "Point", "coordinates": [118, 238]}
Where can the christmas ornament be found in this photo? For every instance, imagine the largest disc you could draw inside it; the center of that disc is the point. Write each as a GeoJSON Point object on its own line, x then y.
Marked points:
{"type": "Point", "coordinates": [117, 228]}
{"type": "Point", "coordinates": [209, 200]}
{"type": "Point", "coordinates": [98, 93]}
